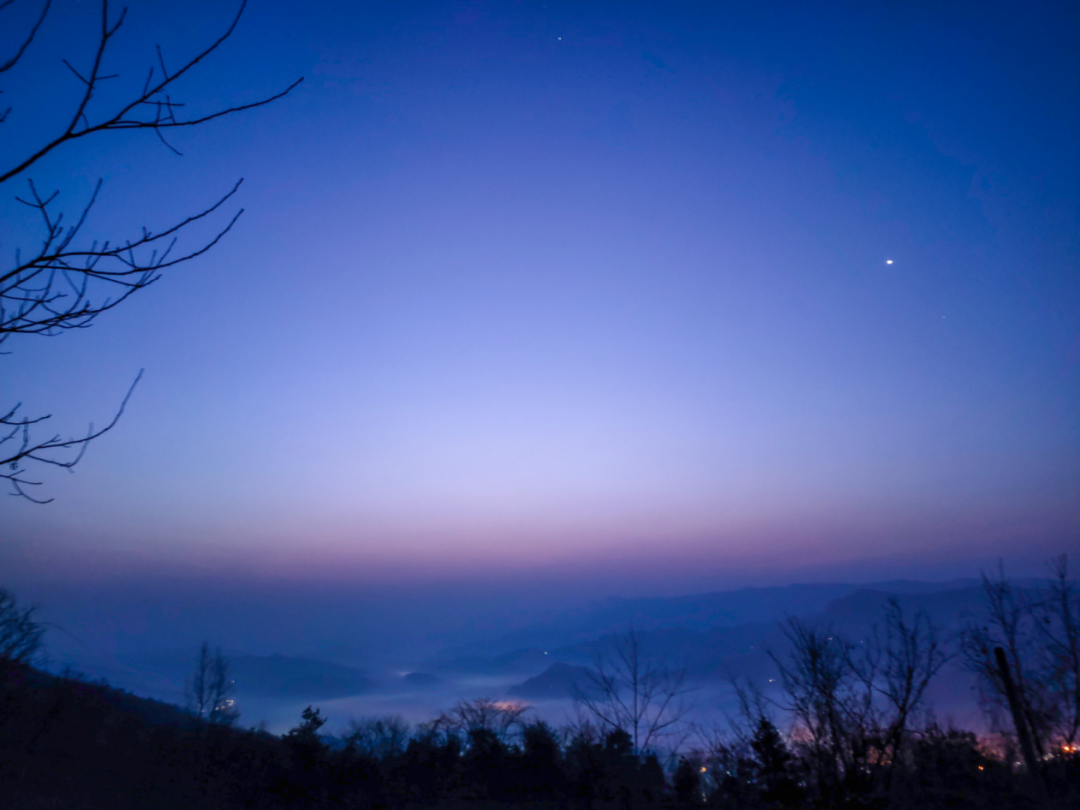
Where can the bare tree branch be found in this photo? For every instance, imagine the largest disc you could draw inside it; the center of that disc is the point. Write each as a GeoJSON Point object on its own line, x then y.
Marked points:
{"type": "Point", "coordinates": [20, 632]}
{"type": "Point", "coordinates": [210, 687]}
{"type": "Point", "coordinates": [634, 691]}
{"type": "Point", "coordinates": [151, 109]}
{"type": "Point", "coordinates": [1011, 622]}
{"type": "Point", "coordinates": [52, 291]}
{"type": "Point", "coordinates": [11, 62]}
{"type": "Point", "coordinates": [496, 716]}
{"type": "Point", "coordinates": [55, 452]}
{"type": "Point", "coordinates": [1059, 626]}
{"type": "Point", "coordinates": [67, 281]}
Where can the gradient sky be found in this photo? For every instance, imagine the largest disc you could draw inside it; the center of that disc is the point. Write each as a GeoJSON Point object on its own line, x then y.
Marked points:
{"type": "Point", "coordinates": [577, 291]}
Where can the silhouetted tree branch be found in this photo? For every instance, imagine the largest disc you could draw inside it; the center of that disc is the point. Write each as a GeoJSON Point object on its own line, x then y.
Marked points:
{"type": "Point", "coordinates": [152, 109]}
{"type": "Point", "coordinates": [67, 281]}
{"type": "Point", "coordinates": [824, 696]}
{"type": "Point", "coordinates": [1009, 623]}
{"type": "Point", "coordinates": [11, 62]}
{"type": "Point", "coordinates": [854, 705]}
{"type": "Point", "coordinates": [634, 691]}
{"type": "Point", "coordinates": [379, 737]}
{"type": "Point", "coordinates": [498, 717]}
{"type": "Point", "coordinates": [20, 632]}
{"type": "Point", "coordinates": [1039, 634]}
{"type": "Point", "coordinates": [1058, 625]}
{"type": "Point", "coordinates": [210, 689]}
{"type": "Point", "coordinates": [55, 451]}
{"type": "Point", "coordinates": [913, 656]}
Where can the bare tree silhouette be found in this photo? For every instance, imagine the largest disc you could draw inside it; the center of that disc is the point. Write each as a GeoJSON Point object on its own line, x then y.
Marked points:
{"type": "Point", "coordinates": [379, 737]}
{"type": "Point", "coordinates": [20, 632]}
{"type": "Point", "coordinates": [210, 689]}
{"type": "Point", "coordinates": [66, 282]}
{"type": "Point", "coordinates": [826, 699]}
{"type": "Point", "coordinates": [854, 705]}
{"type": "Point", "coordinates": [1038, 631]}
{"type": "Point", "coordinates": [1059, 628]}
{"type": "Point", "coordinates": [630, 689]}
{"type": "Point", "coordinates": [896, 666]}
{"type": "Point", "coordinates": [499, 717]}
{"type": "Point", "coordinates": [1009, 623]}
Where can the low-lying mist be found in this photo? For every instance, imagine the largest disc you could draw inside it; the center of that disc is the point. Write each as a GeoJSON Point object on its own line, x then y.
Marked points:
{"type": "Point", "coordinates": [361, 653]}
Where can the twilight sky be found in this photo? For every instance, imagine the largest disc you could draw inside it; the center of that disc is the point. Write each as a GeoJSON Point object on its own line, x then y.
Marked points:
{"type": "Point", "coordinates": [573, 291]}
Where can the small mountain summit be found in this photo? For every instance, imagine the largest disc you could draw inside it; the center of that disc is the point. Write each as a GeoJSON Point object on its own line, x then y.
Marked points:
{"type": "Point", "coordinates": [556, 682]}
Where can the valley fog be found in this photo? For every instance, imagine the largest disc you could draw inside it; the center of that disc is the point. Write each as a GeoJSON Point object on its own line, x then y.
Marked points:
{"type": "Point", "coordinates": [365, 656]}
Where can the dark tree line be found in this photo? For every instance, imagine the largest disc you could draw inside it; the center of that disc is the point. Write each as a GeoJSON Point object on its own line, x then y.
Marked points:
{"type": "Point", "coordinates": [848, 728]}
{"type": "Point", "coordinates": [78, 745]}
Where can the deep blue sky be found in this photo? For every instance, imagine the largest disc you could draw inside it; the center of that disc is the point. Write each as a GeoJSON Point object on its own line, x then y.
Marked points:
{"type": "Point", "coordinates": [574, 292]}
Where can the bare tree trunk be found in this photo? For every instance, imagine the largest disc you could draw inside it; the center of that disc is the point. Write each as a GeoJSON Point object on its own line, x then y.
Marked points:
{"type": "Point", "coordinates": [1020, 722]}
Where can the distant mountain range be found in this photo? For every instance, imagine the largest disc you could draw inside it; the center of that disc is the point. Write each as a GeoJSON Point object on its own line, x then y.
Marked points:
{"type": "Point", "coordinates": [281, 676]}
{"type": "Point", "coordinates": [714, 636]}
{"type": "Point", "coordinates": [720, 636]}
{"type": "Point", "coordinates": [708, 611]}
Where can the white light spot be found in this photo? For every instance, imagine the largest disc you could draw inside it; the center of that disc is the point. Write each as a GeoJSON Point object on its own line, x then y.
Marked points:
{"type": "Point", "coordinates": [888, 261]}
